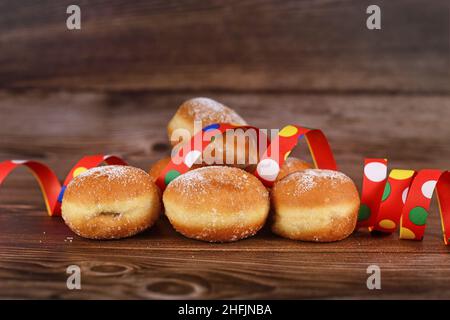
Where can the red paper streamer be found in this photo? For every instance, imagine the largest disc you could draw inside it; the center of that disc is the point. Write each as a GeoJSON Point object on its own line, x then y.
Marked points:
{"type": "Point", "coordinates": [402, 199]}
{"type": "Point", "coordinates": [51, 188]}
{"type": "Point", "coordinates": [268, 167]}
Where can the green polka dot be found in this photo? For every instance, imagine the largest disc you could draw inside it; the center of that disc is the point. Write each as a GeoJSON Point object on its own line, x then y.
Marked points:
{"type": "Point", "coordinates": [364, 212]}
{"type": "Point", "coordinates": [418, 216]}
{"type": "Point", "coordinates": [387, 191]}
{"type": "Point", "coordinates": [213, 138]}
{"type": "Point", "coordinates": [170, 175]}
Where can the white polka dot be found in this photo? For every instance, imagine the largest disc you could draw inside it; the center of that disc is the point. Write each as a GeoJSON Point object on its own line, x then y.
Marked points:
{"type": "Point", "coordinates": [268, 169]}
{"type": "Point", "coordinates": [191, 157]}
{"type": "Point", "coordinates": [19, 161]}
{"type": "Point", "coordinates": [375, 171]}
{"type": "Point", "coordinates": [405, 195]}
{"type": "Point", "coordinates": [428, 188]}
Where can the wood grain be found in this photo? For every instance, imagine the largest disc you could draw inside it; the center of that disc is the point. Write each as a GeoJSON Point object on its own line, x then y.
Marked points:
{"type": "Point", "coordinates": [58, 127]}
{"type": "Point", "coordinates": [289, 46]}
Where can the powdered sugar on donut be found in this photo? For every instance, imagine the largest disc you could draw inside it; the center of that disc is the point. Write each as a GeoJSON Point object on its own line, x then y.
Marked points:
{"type": "Point", "coordinates": [200, 180]}
{"type": "Point", "coordinates": [124, 175]}
{"type": "Point", "coordinates": [205, 109]}
{"type": "Point", "coordinates": [110, 172]}
{"type": "Point", "coordinates": [307, 180]}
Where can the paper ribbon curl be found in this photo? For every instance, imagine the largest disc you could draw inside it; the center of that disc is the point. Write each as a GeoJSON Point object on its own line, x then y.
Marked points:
{"type": "Point", "coordinates": [51, 188]}
{"type": "Point", "coordinates": [269, 165]}
{"type": "Point", "coordinates": [401, 200]}
{"type": "Point", "coordinates": [281, 147]}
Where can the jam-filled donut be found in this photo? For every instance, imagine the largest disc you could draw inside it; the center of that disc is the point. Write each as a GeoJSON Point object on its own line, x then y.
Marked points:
{"type": "Point", "coordinates": [315, 205]}
{"type": "Point", "coordinates": [239, 150]}
{"type": "Point", "coordinates": [111, 202]}
{"type": "Point", "coordinates": [206, 110]}
{"type": "Point", "coordinates": [216, 204]}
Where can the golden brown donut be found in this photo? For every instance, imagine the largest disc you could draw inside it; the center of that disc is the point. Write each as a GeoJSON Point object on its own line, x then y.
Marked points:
{"type": "Point", "coordinates": [292, 165]}
{"type": "Point", "coordinates": [111, 202]}
{"type": "Point", "coordinates": [226, 151]}
{"type": "Point", "coordinates": [206, 110]}
{"type": "Point", "coordinates": [216, 204]}
{"type": "Point", "coordinates": [315, 205]}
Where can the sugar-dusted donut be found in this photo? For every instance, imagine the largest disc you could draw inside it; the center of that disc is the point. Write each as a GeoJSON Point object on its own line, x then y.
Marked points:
{"type": "Point", "coordinates": [315, 205]}
{"type": "Point", "coordinates": [291, 165]}
{"type": "Point", "coordinates": [111, 202]}
{"type": "Point", "coordinates": [206, 110]}
{"type": "Point", "coordinates": [239, 150]}
{"type": "Point", "coordinates": [216, 204]}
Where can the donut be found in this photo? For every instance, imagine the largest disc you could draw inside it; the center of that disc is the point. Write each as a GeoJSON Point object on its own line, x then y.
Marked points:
{"type": "Point", "coordinates": [206, 110]}
{"type": "Point", "coordinates": [291, 165]}
{"type": "Point", "coordinates": [315, 205]}
{"type": "Point", "coordinates": [216, 204]}
{"type": "Point", "coordinates": [110, 202]}
{"type": "Point", "coordinates": [231, 150]}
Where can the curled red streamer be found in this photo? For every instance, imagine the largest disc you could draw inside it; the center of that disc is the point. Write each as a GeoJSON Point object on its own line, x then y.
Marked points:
{"type": "Point", "coordinates": [274, 156]}
{"type": "Point", "coordinates": [402, 199]}
{"type": "Point", "coordinates": [51, 188]}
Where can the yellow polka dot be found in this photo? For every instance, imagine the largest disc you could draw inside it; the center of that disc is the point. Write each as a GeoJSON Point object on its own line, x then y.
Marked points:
{"type": "Point", "coordinates": [287, 155]}
{"type": "Point", "coordinates": [405, 233]}
{"type": "Point", "coordinates": [78, 171]}
{"type": "Point", "coordinates": [288, 131]}
{"type": "Point", "coordinates": [387, 224]}
{"type": "Point", "coordinates": [401, 174]}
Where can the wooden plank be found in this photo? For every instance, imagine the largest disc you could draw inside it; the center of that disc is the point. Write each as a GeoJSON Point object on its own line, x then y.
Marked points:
{"type": "Point", "coordinates": [59, 127]}
{"type": "Point", "coordinates": [152, 265]}
{"type": "Point", "coordinates": [220, 274]}
{"type": "Point", "coordinates": [227, 46]}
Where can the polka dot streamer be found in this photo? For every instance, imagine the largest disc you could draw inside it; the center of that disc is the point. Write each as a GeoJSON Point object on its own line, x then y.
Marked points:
{"type": "Point", "coordinates": [280, 149]}
{"type": "Point", "coordinates": [51, 188]}
{"type": "Point", "coordinates": [271, 161]}
{"type": "Point", "coordinates": [187, 155]}
{"type": "Point", "coordinates": [402, 199]}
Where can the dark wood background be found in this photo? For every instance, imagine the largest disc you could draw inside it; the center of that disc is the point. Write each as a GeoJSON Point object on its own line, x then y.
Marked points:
{"type": "Point", "coordinates": [263, 45]}
{"type": "Point", "coordinates": [112, 87]}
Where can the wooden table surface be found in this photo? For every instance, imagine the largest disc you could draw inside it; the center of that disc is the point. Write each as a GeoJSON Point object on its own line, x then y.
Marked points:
{"type": "Point", "coordinates": [112, 87]}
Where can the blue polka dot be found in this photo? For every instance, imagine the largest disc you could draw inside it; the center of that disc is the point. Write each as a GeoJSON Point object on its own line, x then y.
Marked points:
{"type": "Point", "coordinates": [211, 127]}
{"type": "Point", "coordinates": [61, 194]}
{"type": "Point", "coordinates": [300, 136]}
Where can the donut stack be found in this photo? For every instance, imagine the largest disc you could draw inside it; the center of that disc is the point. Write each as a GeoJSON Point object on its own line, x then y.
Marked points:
{"type": "Point", "coordinates": [211, 202]}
